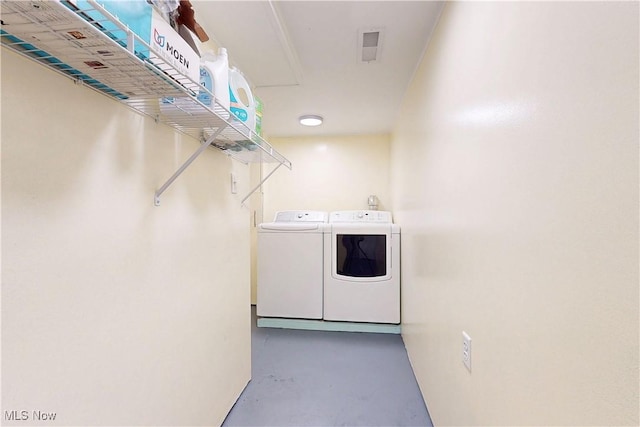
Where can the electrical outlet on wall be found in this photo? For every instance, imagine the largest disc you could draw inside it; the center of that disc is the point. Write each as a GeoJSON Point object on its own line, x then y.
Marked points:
{"type": "Point", "coordinates": [466, 350]}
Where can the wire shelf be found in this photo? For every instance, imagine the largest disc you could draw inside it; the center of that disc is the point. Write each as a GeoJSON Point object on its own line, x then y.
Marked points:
{"type": "Point", "coordinates": [84, 42]}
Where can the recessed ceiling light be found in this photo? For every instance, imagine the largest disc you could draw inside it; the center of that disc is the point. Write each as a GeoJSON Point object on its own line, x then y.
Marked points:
{"type": "Point", "coordinates": [310, 120]}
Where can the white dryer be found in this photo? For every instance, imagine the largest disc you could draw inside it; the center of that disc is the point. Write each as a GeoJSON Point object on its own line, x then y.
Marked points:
{"type": "Point", "coordinates": [290, 265]}
{"type": "Point", "coordinates": [362, 267]}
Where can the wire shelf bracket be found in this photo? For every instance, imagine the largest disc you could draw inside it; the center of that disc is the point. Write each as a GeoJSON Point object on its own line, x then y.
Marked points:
{"type": "Point", "coordinates": [261, 182]}
{"type": "Point", "coordinates": [206, 142]}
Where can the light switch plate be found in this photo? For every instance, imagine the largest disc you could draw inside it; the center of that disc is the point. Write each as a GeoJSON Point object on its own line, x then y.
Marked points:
{"type": "Point", "coordinates": [466, 350]}
{"type": "Point", "coordinates": [234, 184]}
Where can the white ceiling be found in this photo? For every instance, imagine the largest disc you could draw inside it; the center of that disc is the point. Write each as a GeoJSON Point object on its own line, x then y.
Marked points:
{"type": "Point", "coordinates": [302, 58]}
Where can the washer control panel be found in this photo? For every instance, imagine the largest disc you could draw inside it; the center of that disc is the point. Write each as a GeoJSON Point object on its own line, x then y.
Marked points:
{"type": "Point", "coordinates": [301, 216]}
{"type": "Point", "coordinates": [361, 216]}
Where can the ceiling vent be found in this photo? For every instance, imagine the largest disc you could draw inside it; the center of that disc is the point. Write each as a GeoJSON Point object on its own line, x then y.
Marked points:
{"type": "Point", "coordinates": [370, 45]}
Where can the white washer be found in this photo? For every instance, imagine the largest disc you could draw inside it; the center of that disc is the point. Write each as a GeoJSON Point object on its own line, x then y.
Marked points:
{"type": "Point", "coordinates": [362, 267]}
{"type": "Point", "coordinates": [290, 265]}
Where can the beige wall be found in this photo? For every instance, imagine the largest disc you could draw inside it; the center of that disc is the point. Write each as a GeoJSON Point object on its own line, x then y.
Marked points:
{"type": "Point", "coordinates": [329, 174]}
{"type": "Point", "coordinates": [515, 181]}
{"type": "Point", "coordinates": [114, 311]}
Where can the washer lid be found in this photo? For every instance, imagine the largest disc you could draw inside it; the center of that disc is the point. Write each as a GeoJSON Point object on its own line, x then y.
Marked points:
{"type": "Point", "coordinates": [291, 226]}
{"type": "Point", "coordinates": [302, 216]}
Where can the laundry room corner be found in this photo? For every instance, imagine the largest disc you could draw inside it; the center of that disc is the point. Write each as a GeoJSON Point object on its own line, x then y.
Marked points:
{"type": "Point", "coordinates": [330, 173]}
{"type": "Point", "coordinates": [452, 241]}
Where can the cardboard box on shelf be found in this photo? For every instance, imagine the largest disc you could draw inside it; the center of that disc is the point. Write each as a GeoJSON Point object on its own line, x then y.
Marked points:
{"type": "Point", "coordinates": [166, 44]}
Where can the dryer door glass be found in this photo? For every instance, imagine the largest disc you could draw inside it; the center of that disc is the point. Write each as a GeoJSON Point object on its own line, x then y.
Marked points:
{"type": "Point", "coordinates": [361, 255]}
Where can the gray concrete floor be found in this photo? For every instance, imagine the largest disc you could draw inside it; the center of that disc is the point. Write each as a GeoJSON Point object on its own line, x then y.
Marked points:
{"type": "Point", "coordinates": [319, 378]}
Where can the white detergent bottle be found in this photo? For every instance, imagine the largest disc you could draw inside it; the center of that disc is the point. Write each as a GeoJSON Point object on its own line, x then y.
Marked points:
{"type": "Point", "coordinates": [243, 105]}
{"type": "Point", "coordinates": [214, 76]}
